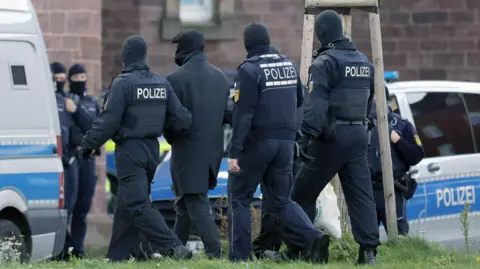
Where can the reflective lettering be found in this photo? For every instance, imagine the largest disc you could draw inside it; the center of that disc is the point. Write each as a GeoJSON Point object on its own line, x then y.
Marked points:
{"type": "Point", "coordinates": [280, 73]}
{"type": "Point", "coordinates": [357, 71]}
{"type": "Point", "coordinates": [151, 93]}
{"type": "Point", "coordinates": [458, 196]}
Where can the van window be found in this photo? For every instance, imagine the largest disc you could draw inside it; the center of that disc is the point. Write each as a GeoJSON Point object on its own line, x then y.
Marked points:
{"type": "Point", "coordinates": [18, 75]}
{"type": "Point", "coordinates": [473, 108]}
{"type": "Point", "coordinates": [442, 123]}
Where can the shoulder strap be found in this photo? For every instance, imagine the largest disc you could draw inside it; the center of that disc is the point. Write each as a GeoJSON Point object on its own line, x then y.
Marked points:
{"type": "Point", "coordinates": [251, 59]}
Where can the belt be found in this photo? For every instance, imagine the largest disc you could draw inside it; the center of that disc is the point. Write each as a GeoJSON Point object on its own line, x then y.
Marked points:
{"type": "Point", "coordinates": [350, 122]}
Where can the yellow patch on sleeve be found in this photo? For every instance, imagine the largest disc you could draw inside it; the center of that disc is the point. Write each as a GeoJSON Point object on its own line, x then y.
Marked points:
{"type": "Point", "coordinates": [236, 95]}
{"type": "Point", "coordinates": [310, 86]}
{"type": "Point", "coordinates": [417, 140]}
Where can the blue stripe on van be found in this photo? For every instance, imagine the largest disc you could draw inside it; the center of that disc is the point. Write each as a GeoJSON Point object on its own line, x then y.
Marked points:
{"type": "Point", "coordinates": [26, 150]}
{"type": "Point", "coordinates": [34, 186]}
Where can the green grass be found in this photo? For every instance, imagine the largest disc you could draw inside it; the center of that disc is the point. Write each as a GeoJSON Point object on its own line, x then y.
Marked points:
{"type": "Point", "coordinates": [407, 253]}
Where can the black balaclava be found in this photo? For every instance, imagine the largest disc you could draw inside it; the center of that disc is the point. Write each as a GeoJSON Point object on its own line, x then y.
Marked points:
{"type": "Point", "coordinates": [274, 49]}
{"type": "Point", "coordinates": [255, 35]}
{"type": "Point", "coordinates": [328, 27]}
{"type": "Point", "coordinates": [134, 50]}
{"type": "Point", "coordinates": [77, 87]}
{"type": "Point", "coordinates": [58, 68]}
{"type": "Point", "coordinates": [187, 41]}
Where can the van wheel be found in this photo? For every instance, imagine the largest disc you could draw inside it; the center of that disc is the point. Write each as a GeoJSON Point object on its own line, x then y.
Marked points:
{"type": "Point", "coordinates": [12, 244]}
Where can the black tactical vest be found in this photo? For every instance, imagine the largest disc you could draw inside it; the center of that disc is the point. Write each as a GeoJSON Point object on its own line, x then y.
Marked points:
{"type": "Point", "coordinates": [146, 105]}
{"type": "Point", "coordinates": [350, 90]}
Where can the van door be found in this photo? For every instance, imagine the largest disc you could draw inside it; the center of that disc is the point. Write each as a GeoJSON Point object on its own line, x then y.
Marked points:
{"type": "Point", "coordinates": [450, 172]}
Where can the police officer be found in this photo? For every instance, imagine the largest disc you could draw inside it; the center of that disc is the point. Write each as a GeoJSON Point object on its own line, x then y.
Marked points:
{"type": "Point", "coordinates": [66, 108]}
{"type": "Point", "coordinates": [88, 110]}
{"type": "Point", "coordinates": [407, 151]}
{"type": "Point", "coordinates": [333, 131]}
{"type": "Point", "coordinates": [270, 237]}
{"type": "Point", "coordinates": [268, 92]}
{"type": "Point", "coordinates": [139, 106]}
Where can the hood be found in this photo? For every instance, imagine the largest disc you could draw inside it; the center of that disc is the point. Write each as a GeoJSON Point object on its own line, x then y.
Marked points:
{"type": "Point", "coordinates": [328, 27]}
{"type": "Point", "coordinates": [188, 42]}
{"type": "Point", "coordinates": [255, 35]}
{"type": "Point", "coordinates": [134, 53]}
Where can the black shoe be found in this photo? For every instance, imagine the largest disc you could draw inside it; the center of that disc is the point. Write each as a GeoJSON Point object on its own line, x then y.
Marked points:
{"type": "Point", "coordinates": [79, 254]}
{"type": "Point", "coordinates": [179, 253]}
{"type": "Point", "coordinates": [366, 256]}
{"type": "Point", "coordinates": [318, 252]}
{"type": "Point", "coordinates": [62, 257]}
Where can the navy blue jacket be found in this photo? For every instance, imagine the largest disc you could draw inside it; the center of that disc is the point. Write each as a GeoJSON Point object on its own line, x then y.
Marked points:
{"type": "Point", "coordinates": [267, 93]}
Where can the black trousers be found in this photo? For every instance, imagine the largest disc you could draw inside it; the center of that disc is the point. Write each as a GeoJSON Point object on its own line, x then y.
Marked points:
{"type": "Point", "coordinates": [270, 237]}
{"type": "Point", "coordinates": [195, 209]}
{"type": "Point", "coordinates": [402, 222]}
{"type": "Point", "coordinates": [136, 161]}
{"type": "Point", "coordinates": [347, 156]}
{"type": "Point", "coordinates": [268, 163]}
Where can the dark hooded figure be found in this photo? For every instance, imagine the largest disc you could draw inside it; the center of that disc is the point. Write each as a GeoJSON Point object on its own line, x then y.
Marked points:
{"type": "Point", "coordinates": [140, 105]}
{"type": "Point", "coordinates": [87, 111]}
{"type": "Point", "coordinates": [334, 134]}
{"type": "Point", "coordinates": [66, 108]}
{"type": "Point", "coordinates": [197, 153]}
{"type": "Point", "coordinates": [267, 94]}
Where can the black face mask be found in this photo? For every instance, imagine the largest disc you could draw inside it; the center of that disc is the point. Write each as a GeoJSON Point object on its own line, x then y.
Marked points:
{"type": "Point", "coordinates": [180, 58]}
{"type": "Point", "coordinates": [60, 86]}
{"type": "Point", "coordinates": [77, 87]}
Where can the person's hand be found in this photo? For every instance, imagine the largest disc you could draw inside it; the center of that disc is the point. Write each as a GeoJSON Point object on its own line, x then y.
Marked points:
{"type": "Point", "coordinates": [233, 165]}
{"type": "Point", "coordinates": [394, 137]}
{"type": "Point", "coordinates": [85, 153]}
{"type": "Point", "coordinates": [304, 143]}
{"type": "Point", "coordinates": [70, 105]}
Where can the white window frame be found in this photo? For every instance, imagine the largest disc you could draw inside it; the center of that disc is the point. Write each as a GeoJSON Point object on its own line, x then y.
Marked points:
{"type": "Point", "coordinates": [197, 13]}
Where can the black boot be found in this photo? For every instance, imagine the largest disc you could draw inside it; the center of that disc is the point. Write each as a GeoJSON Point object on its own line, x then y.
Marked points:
{"type": "Point", "coordinates": [366, 256]}
{"type": "Point", "coordinates": [318, 252]}
{"type": "Point", "coordinates": [179, 253]}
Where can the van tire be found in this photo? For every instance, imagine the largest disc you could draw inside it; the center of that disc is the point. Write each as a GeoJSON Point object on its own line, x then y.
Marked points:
{"type": "Point", "coordinates": [8, 229]}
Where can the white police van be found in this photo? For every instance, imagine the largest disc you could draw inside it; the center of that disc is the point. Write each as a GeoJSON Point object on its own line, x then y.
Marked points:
{"type": "Point", "coordinates": [447, 118]}
{"type": "Point", "coordinates": [31, 173]}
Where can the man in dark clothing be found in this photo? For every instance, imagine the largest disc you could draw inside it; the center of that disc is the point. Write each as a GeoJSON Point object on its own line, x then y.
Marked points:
{"type": "Point", "coordinates": [140, 105]}
{"type": "Point", "coordinates": [407, 151]}
{"type": "Point", "coordinates": [270, 237]}
{"type": "Point", "coordinates": [87, 112]}
{"type": "Point", "coordinates": [333, 130]}
{"type": "Point", "coordinates": [66, 108]}
{"type": "Point", "coordinates": [267, 95]}
{"type": "Point", "coordinates": [197, 153]}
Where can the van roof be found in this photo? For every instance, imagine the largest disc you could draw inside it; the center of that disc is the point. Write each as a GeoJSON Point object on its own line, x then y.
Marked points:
{"type": "Point", "coordinates": [18, 17]}
{"type": "Point", "coordinates": [434, 84]}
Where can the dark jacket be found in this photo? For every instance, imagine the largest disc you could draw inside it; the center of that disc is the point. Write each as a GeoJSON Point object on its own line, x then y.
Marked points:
{"type": "Point", "coordinates": [196, 153]}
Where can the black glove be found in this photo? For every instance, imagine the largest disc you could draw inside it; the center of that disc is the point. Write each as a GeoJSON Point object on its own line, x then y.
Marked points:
{"type": "Point", "coordinates": [84, 153]}
{"type": "Point", "coordinates": [304, 142]}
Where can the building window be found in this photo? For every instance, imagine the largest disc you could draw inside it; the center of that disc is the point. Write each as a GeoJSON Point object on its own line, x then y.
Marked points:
{"type": "Point", "coordinates": [214, 18]}
{"type": "Point", "coordinates": [196, 12]}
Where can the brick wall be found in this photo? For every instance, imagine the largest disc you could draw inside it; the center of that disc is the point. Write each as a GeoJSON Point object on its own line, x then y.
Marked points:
{"type": "Point", "coordinates": [427, 39]}
{"type": "Point", "coordinates": [72, 33]}
{"type": "Point", "coordinates": [423, 39]}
